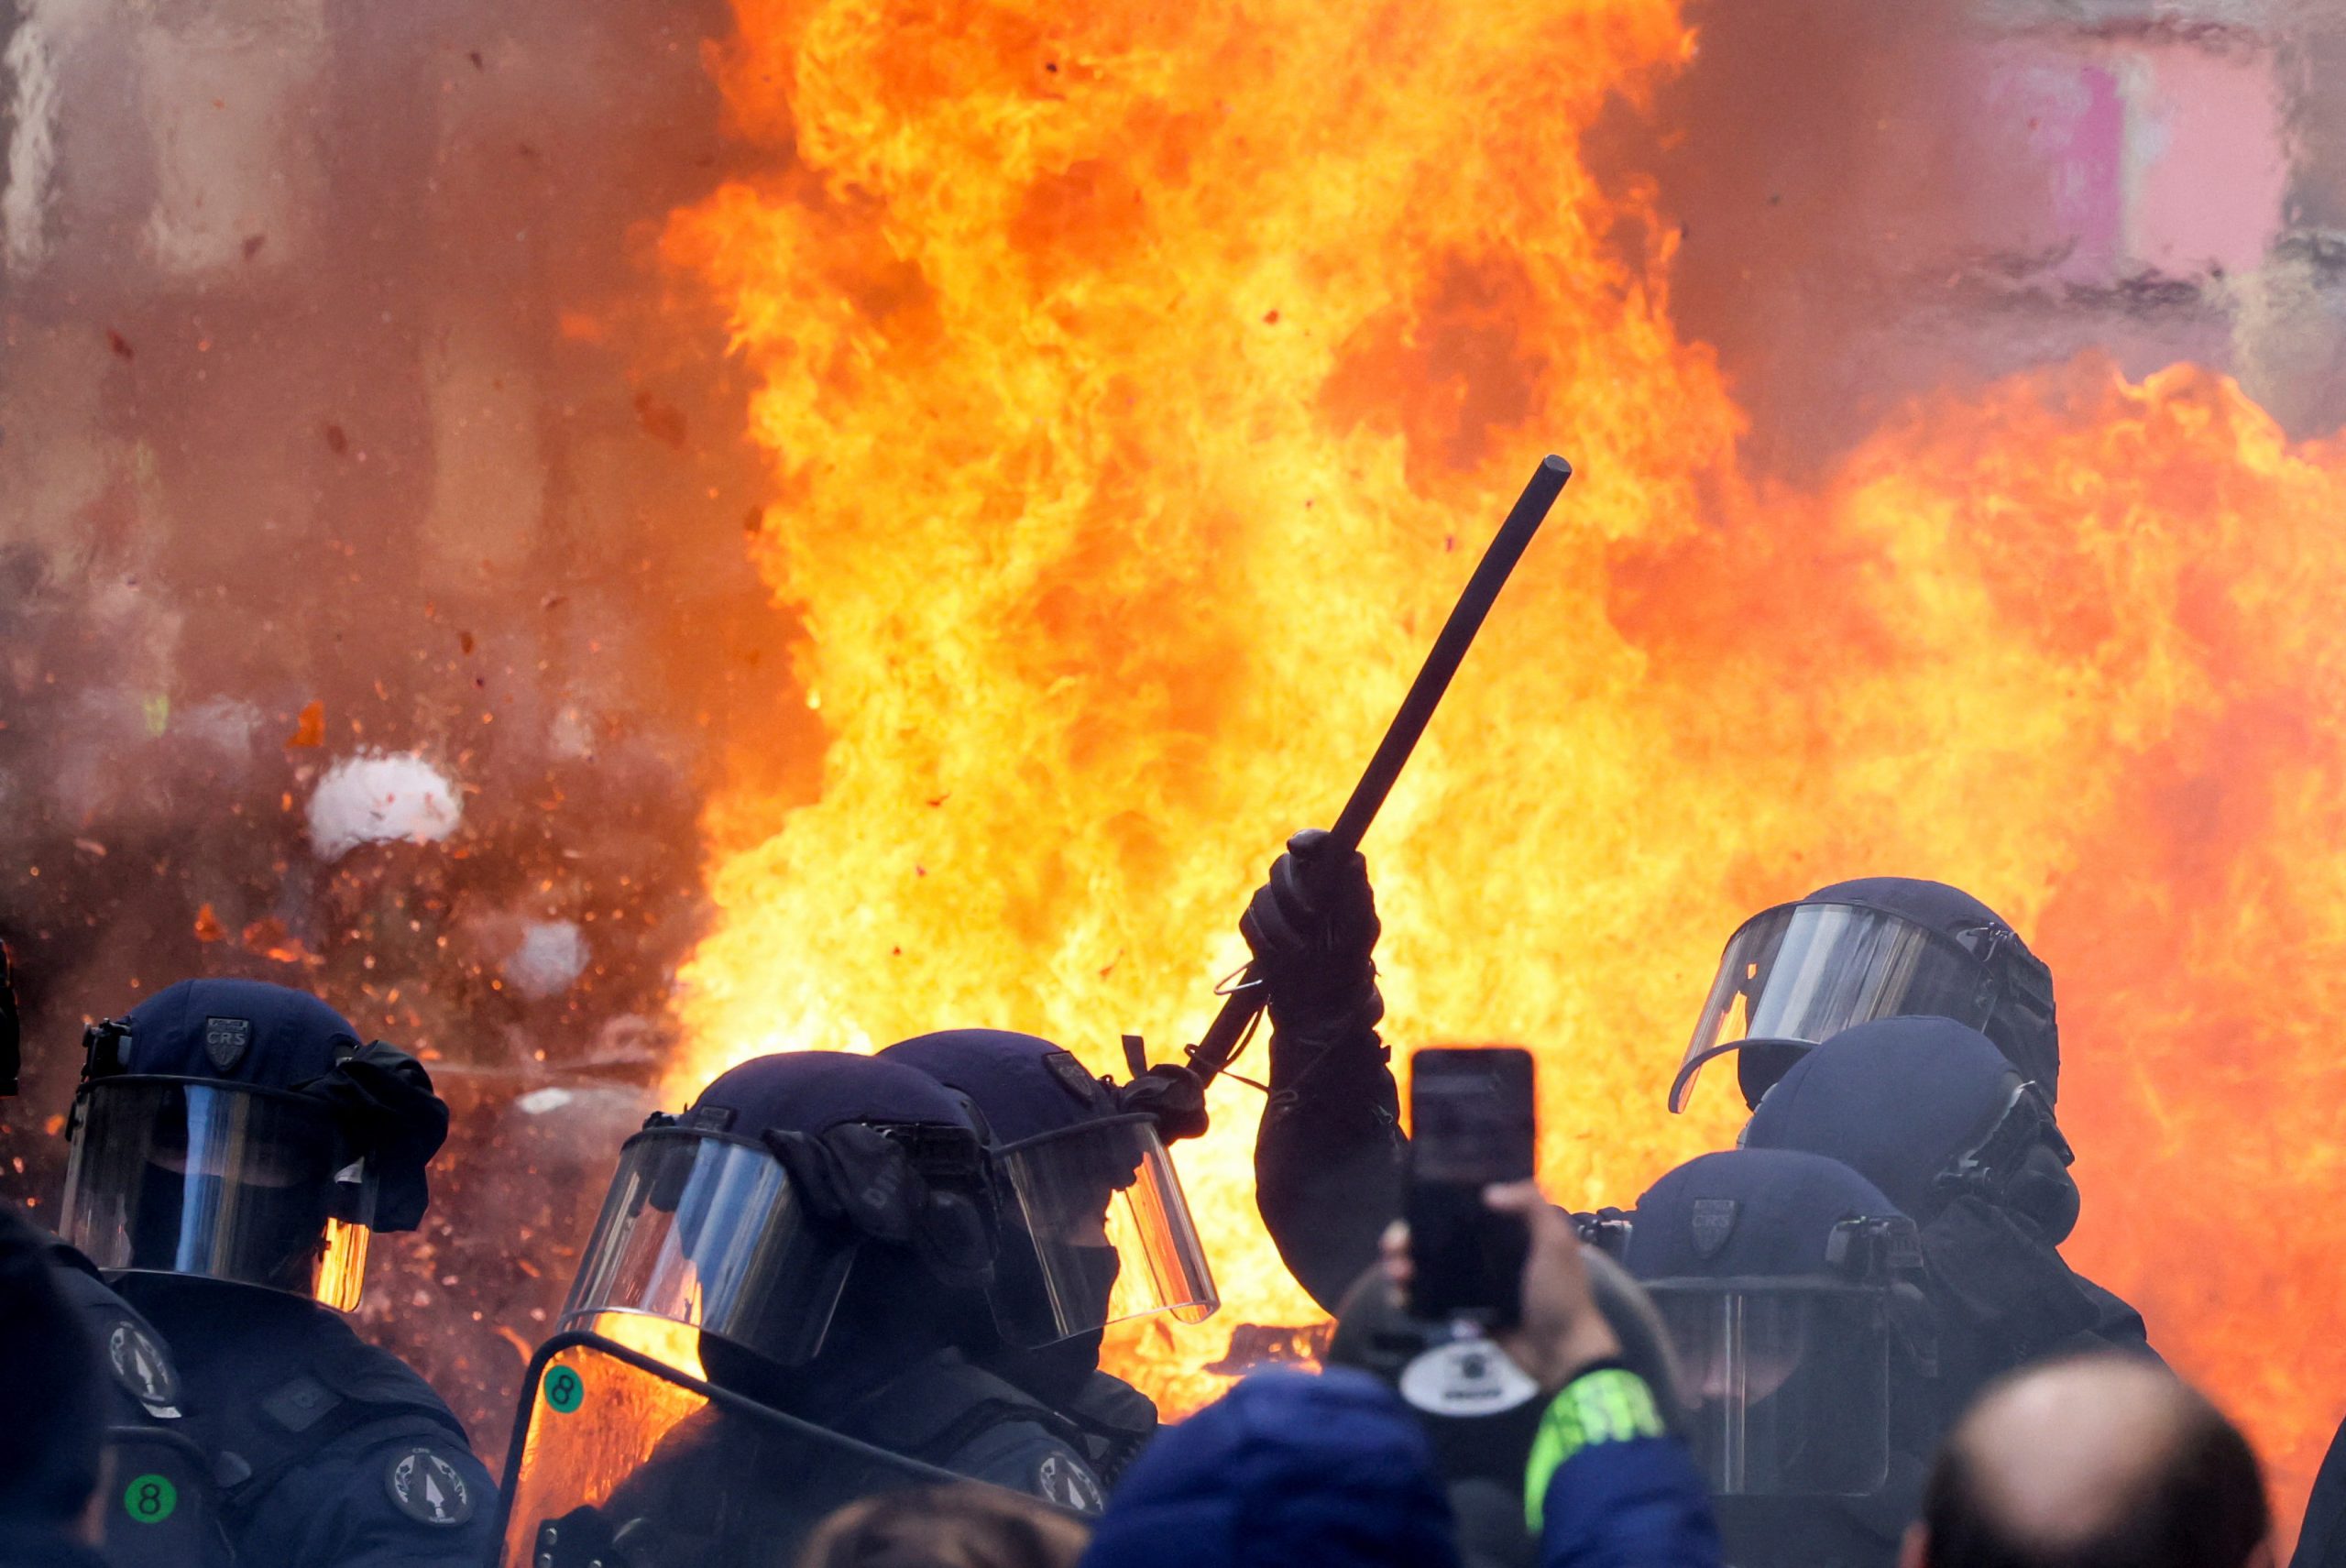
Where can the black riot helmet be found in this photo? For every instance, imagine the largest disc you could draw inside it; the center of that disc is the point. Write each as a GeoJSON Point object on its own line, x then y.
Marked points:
{"type": "Point", "coordinates": [1929, 1112]}
{"type": "Point", "coordinates": [1878, 947]}
{"type": "Point", "coordinates": [1792, 1288]}
{"type": "Point", "coordinates": [1100, 1230]}
{"type": "Point", "coordinates": [745, 1218]}
{"type": "Point", "coordinates": [240, 1130]}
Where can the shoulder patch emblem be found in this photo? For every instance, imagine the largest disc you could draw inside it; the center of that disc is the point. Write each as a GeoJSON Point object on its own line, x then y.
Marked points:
{"type": "Point", "coordinates": [1061, 1480]}
{"type": "Point", "coordinates": [142, 1369]}
{"type": "Point", "coordinates": [225, 1041]}
{"type": "Point", "coordinates": [1713, 1222]}
{"type": "Point", "coordinates": [1076, 1079]}
{"type": "Point", "coordinates": [425, 1486]}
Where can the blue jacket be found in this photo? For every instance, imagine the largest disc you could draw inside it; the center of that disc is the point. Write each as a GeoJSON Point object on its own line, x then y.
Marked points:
{"type": "Point", "coordinates": [1607, 1488]}
{"type": "Point", "coordinates": [1286, 1469]}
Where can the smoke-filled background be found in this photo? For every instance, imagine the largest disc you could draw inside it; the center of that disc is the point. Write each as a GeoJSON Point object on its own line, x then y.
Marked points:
{"type": "Point", "coordinates": [451, 456]}
{"type": "Point", "coordinates": [375, 610]}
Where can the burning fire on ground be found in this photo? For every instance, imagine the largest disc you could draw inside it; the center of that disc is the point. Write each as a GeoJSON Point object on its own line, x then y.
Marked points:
{"type": "Point", "coordinates": [1140, 385]}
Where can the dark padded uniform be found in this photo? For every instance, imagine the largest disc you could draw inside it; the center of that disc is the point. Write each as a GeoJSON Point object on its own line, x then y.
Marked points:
{"type": "Point", "coordinates": [731, 1492]}
{"type": "Point", "coordinates": [162, 1512]}
{"type": "Point", "coordinates": [1934, 1115]}
{"type": "Point", "coordinates": [326, 1450]}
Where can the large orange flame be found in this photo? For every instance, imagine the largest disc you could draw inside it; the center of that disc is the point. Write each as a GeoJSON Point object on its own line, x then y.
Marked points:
{"type": "Point", "coordinates": [1141, 383]}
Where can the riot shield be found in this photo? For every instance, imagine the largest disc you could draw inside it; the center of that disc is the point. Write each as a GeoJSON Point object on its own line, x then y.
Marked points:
{"type": "Point", "coordinates": [622, 1461]}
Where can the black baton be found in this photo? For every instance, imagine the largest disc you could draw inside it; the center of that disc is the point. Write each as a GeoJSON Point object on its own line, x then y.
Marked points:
{"type": "Point", "coordinates": [1245, 1002]}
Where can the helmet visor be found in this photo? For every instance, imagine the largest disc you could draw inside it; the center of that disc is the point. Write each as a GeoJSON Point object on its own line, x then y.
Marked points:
{"type": "Point", "coordinates": [1803, 973]}
{"type": "Point", "coordinates": [175, 1176]}
{"type": "Point", "coordinates": [1789, 1384]}
{"type": "Point", "coordinates": [709, 1231]}
{"type": "Point", "coordinates": [1099, 1232]}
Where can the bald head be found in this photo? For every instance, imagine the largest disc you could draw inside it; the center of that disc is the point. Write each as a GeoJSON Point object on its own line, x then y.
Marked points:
{"type": "Point", "coordinates": [2098, 1462]}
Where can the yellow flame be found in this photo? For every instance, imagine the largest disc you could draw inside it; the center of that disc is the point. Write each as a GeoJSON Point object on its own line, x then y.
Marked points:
{"type": "Point", "coordinates": [1141, 383]}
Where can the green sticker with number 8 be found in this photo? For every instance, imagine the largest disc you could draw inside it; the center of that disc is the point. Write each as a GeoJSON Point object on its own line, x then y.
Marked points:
{"type": "Point", "coordinates": [150, 1499]}
{"type": "Point", "coordinates": [565, 1390]}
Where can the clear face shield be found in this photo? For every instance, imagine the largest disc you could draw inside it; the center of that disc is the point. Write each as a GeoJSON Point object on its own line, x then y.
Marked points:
{"type": "Point", "coordinates": [708, 1231]}
{"type": "Point", "coordinates": [178, 1176]}
{"type": "Point", "coordinates": [1790, 1381]}
{"type": "Point", "coordinates": [1100, 1233]}
{"type": "Point", "coordinates": [1800, 973]}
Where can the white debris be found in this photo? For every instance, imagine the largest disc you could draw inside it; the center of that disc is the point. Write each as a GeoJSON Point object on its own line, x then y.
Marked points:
{"type": "Point", "coordinates": [380, 799]}
{"type": "Point", "coordinates": [571, 735]}
{"type": "Point", "coordinates": [538, 1101]}
{"type": "Point", "coordinates": [553, 953]}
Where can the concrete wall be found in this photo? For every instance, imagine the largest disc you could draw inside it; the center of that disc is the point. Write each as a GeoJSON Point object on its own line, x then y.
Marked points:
{"type": "Point", "coordinates": [1881, 199]}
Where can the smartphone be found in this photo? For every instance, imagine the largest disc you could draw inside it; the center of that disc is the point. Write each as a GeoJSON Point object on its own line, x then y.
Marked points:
{"type": "Point", "coordinates": [1472, 1123]}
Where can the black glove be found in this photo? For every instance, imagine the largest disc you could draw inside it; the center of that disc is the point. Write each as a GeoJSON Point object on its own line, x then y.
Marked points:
{"type": "Point", "coordinates": [382, 1100]}
{"type": "Point", "coordinates": [1171, 1092]}
{"type": "Point", "coordinates": [853, 1177]}
{"type": "Point", "coordinates": [858, 1177]}
{"type": "Point", "coordinates": [1312, 928]}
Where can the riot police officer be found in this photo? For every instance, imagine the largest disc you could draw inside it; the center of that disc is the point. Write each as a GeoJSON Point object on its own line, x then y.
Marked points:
{"type": "Point", "coordinates": [1111, 1237]}
{"type": "Point", "coordinates": [824, 1224]}
{"type": "Point", "coordinates": [1329, 1153]}
{"type": "Point", "coordinates": [1807, 1341]}
{"type": "Point", "coordinates": [1933, 1114]}
{"type": "Point", "coordinates": [233, 1146]}
{"type": "Point", "coordinates": [1798, 974]}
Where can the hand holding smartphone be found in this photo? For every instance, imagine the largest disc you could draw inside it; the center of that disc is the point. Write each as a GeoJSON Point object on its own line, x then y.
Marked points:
{"type": "Point", "coordinates": [1472, 1124]}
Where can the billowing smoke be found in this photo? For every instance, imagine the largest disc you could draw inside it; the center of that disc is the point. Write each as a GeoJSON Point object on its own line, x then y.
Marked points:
{"type": "Point", "coordinates": [371, 579]}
